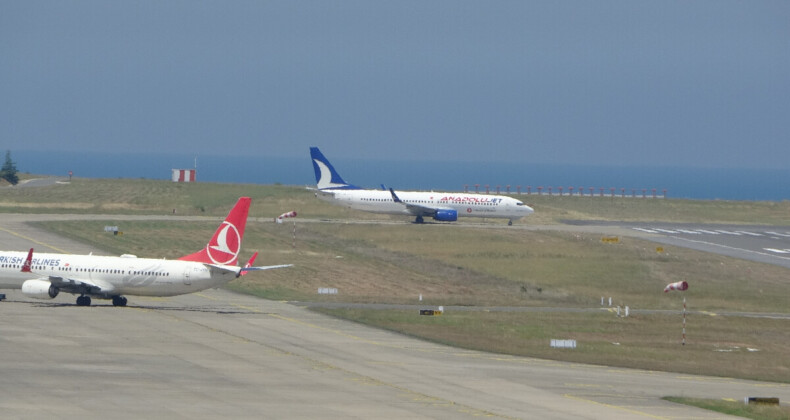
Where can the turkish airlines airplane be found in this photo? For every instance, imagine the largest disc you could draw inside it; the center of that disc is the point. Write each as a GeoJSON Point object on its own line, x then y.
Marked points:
{"type": "Point", "coordinates": [444, 207]}
{"type": "Point", "coordinates": [43, 276]}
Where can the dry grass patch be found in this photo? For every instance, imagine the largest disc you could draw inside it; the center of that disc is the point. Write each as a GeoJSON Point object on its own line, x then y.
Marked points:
{"type": "Point", "coordinates": [718, 346]}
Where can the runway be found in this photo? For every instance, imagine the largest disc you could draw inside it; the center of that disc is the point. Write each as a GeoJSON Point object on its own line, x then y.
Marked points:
{"type": "Point", "coordinates": [761, 243]}
{"type": "Point", "coordinates": [218, 354]}
{"type": "Point", "coordinates": [768, 244]}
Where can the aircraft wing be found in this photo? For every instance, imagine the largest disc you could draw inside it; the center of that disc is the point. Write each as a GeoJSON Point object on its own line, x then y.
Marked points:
{"type": "Point", "coordinates": [81, 286]}
{"type": "Point", "coordinates": [416, 209]}
{"type": "Point", "coordinates": [71, 285]}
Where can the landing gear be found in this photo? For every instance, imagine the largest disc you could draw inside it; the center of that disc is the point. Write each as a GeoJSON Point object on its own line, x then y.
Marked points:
{"type": "Point", "coordinates": [118, 301]}
{"type": "Point", "coordinates": [419, 220]}
{"type": "Point", "coordinates": [84, 301]}
{"type": "Point", "coordinates": [510, 222]}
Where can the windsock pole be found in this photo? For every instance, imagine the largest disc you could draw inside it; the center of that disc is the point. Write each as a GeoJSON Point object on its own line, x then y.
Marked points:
{"type": "Point", "coordinates": [680, 286]}
{"type": "Point", "coordinates": [683, 343]}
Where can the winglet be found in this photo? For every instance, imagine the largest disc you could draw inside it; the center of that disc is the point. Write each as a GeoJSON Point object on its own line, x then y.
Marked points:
{"type": "Point", "coordinates": [395, 196]}
{"type": "Point", "coordinates": [249, 264]}
{"type": "Point", "coordinates": [26, 267]}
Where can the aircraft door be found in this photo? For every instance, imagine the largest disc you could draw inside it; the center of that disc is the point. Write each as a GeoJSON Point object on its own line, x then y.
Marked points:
{"type": "Point", "coordinates": [187, 279]}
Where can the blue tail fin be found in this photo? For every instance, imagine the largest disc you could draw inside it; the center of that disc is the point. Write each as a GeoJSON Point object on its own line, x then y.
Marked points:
{"type": "Point", "coordinates": [326, 177]}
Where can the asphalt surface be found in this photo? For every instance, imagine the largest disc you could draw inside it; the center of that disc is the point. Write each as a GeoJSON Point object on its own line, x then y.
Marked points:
{"type": "Point", "coordinates": [221, 355]}
{"type": "Point", "coordinates": [217, 354]}
{"type": "Point", "coordinates": [762, 243]}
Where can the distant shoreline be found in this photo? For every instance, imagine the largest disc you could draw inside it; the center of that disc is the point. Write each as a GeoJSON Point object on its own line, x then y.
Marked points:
{"type": "Point", "coordinates": [28, 181]}
{"type": "Point", "coordinates": [730, 184]}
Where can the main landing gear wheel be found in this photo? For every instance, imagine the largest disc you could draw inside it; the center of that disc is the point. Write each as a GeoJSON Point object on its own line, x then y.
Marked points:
{"type": "Point", "coordinates": [419, 220]}
{"type": "Point", "coordinates": [84, 301]}
{"type": "Point", "coordinates": [510, 223]}
{"type": "Point", "coordinates": [118, 301]}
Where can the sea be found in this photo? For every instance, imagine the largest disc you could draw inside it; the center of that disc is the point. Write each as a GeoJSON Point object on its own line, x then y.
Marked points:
{"type": "Point", "coordinates": [676, 182]}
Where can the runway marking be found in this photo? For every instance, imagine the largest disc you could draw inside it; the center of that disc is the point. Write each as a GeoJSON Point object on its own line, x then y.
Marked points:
{"type": "Point", "coordinates": [19, 235]}
{"type": "Point", "coordinates": [666, 230]}
{"type": "Point", "coordinates": [247, 308]}
{"type": "Point", "coordinates": [779, 234]}
{"type": "Point", "coordinates": [726, 232]}
{"type": "Point", "coordinates": [730, 247]}
{"type": "Point", "coordinates": [570, 385]}
{"type": "Point", "coordinates": [778, 251]}
{"type": "Point", "coordinates": [645, 230]}
{"type": "Point", "coordinates": [630, 410]}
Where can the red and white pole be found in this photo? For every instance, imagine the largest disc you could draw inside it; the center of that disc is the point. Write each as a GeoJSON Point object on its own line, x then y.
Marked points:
{"type": "Point", "coordinates": [684, 322]}
{"type": "Point", "coordinates": [680, 286]}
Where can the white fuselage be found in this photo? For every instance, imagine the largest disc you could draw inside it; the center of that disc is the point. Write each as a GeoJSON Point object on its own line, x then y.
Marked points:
{"type": "Point", "coordinates": [126, 275]}
{"type": "Point", "coordinates": [467, 205]}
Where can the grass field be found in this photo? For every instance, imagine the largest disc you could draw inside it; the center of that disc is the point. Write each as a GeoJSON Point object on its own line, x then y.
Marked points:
{"type": "Point", "coordinates": [140, 196]}
{"type": "Point", "coordinates": [452, 265]}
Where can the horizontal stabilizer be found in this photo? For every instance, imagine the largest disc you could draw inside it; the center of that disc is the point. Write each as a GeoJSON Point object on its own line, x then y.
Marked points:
{"type": "Point", "coordinates": [266, 267]}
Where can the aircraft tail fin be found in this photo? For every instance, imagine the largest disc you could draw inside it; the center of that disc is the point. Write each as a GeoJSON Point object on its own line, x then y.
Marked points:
{"type": "Point", "coordinates": [224, 246]}
{"type": "Point", "coordinates": [326, 177]}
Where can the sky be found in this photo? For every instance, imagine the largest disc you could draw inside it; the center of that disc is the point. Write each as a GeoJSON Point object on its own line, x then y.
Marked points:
{"type": "Point", "coordinates": [637, 83]}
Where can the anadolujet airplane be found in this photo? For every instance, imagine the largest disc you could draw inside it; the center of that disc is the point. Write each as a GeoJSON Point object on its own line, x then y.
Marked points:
{"type": "Point", "coordinates": [44, 275]}
{"type": "Point", "coordinates": [444, 207]}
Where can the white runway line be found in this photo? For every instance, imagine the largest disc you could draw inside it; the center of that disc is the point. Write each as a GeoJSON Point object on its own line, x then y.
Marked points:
{"type": "Point", "coordinates": [666, 230]}
{"type": "Point", "coordinates": [691, 232]}
{"type": "Point", "coordinates": [645, 230]}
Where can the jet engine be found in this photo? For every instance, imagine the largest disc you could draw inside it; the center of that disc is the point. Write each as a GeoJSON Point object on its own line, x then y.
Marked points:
{"type": "Point", "coordinates": [446, 215]}
{"type": "Point", "coordinates": [39, 289]}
